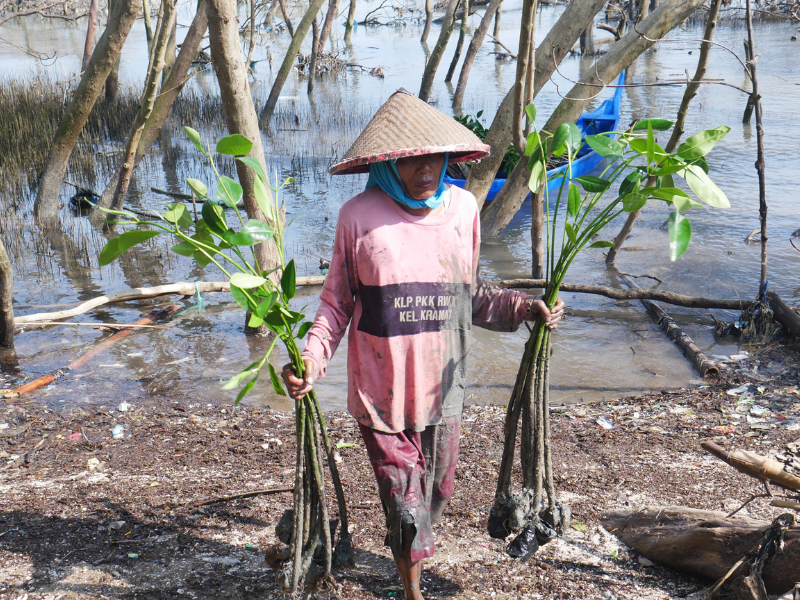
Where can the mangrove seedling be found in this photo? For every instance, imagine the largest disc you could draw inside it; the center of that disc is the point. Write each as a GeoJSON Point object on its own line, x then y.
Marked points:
{"type": "Point", "coordinates": [266, 295]}
{"type": "Point", "coordinates": [576, 216]}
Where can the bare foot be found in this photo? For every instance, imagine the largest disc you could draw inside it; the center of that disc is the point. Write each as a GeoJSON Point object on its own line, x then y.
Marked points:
{"type": "Point", "coordinates": [410, 574]}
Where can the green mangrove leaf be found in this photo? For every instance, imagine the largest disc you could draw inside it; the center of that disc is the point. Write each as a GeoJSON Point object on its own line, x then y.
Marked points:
{"type": "Point", "coordinates": [117, 246]}
{"type": "Point", "coordinates": [675, 196]}
{"type": "Point", "coordinates": [238, 238]}
{"type": "Point", "coordinates": [214, 218]}
{"type": "Point", "coordinates": [234, 144]}
{"type": "Point", "coordinates": [592, 184]}
{"type": "Point", "coordinates": [264, 200]}
{"type": "Point", "coordinates": [245, 281]}
{"type": "Point", "coordinates": [665, 181]}
{"type": "Point", "coordinates": [530, 110]}
{"type": "Point", "coordinates": [242, 299]}
{"type": "Point", "coordinates": [559, 137]}
{"type": "Point", "coordinates": [574, 200]}
{"type": "Point", "coordinates": [245, 390]}
{"type": "Point", "coordinates": [275, 320]}
{"type": "Point", "coordinates": [668, 169]}
{"type": "Point", "coordinates": [255, 321]}
{"type": "Point", "coordinates": [602, 244]}
{"type": "Point", "coordinates": [237, 379]}
{"type": "Point", "coordinates": [651, 144]}
{"type": "Point", "coordinates": [287, 181]}
{"type": "Point", "coordinates": [254, 164]}
{"type": "Point", "coordinates": [532, 143]}
{"type": "Point", "coordinates": [605, 146]}
{"type": "Point", "coordinates": [640, 145]}
{"type": "Point", "coordinates": [535, 180]}
{"type": "Point", "coordinates": [341, 445]}
{"type": "Point", "coordinates": [630, 183]}
{"type": "Point", "coordinates": [198, 187]}
{"type": "Point", "coordinates": [258, 230]}
{"type": "Point", "coordinates": [680, 234]}
{"type": "Point", "coordinates": [654, 124]}
{"type": "Point", "coordinates": [194, 137]}
{"type": "Point", "coordinates": [633, 202]}
{"type": "Point", "coordinates": [231, 191]}
{"type": "Point", "coordinates": [288, 281]}
{"type": "Point", "coordinates": [192, 251]}
{"type": "Point", "coordinates": [266, 304]}
{"type": "Point", "coordinates": [276, 382]}
{"type": "Point", "coordinates": [178, 215]}
{"type": "Point", "coordinates": [574, 139]}
{"type": "Point", "coordinates": [701, 143]}
{"type": "Point", "coordinates": [301, 333]}
{"type": "Point", "coordinates": [706, 190]}
{"type": "Point", "coordinates": [123, 213]}
{"type": "Point", "coordinates": [571, 233]}
{"type": "Point", "coordinates": [701, 162]}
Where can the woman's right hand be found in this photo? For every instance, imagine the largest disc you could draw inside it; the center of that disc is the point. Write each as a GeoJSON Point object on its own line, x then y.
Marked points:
{"type": "Point", "coordinates": [296, 386]}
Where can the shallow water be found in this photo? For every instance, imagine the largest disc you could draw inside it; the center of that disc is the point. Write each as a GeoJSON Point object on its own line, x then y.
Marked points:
{"type": "Point", "coordinates": [604, 349]}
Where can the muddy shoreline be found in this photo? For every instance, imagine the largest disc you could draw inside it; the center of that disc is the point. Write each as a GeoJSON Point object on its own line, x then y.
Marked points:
{"type": "Point", "coordinates": [87, 515]}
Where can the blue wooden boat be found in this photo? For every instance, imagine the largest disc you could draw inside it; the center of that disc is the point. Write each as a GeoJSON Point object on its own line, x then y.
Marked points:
{"type": "Point", "coordinates": [604, 119]}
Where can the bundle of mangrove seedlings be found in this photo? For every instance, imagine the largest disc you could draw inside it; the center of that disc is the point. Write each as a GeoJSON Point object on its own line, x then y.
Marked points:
{"type": "Point", "coordinates": [306, 530]}
{"type": "Point", "coordinates": [574, 217]}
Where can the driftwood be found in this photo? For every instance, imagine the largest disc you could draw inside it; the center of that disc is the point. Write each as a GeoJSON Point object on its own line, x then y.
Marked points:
{"type": "Point", "coordinates": [158, 314]}
{"type": "Point", "coordinates": [702, 364]}
{"type": "Point", "coordinates": [703, 542]}
{"type": "Point", "coordinates": [183, 288]}
{"type": "Point", "coordinates": [634, 294]}
{"type": "Point", "coordinates": [242, 496]}
{"type": "Point", "coordinates": [784, 315]}
{"type": "Point", "coordinates": [755, 465]}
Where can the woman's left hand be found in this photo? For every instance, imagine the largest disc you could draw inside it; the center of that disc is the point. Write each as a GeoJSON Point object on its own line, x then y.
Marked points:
{"type": "Point", "coordinates": [551, 317]}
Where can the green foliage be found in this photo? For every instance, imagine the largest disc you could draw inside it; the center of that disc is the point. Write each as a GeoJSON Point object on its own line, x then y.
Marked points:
{"type": "Point", "coordinates": [212, 239]}
{"type": "Point", "coordinates": [511, 157]}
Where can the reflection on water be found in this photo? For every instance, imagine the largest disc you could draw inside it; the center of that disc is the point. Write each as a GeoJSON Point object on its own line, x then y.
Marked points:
{"type": "Point", "coordinates": [605, 348]}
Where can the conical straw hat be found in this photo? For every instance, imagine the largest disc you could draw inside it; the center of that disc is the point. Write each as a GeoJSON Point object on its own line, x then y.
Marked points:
{"type": "Point", "coordinates": [407, 126]}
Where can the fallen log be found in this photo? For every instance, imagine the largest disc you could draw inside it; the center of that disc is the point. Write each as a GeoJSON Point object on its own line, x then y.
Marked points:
{"type": "Point", "coordinates": [755, 465]}
{"type": "Point", "coordinates": [704, 543]}
{"type": "Point", "coordinates": [784, 315]}
{"type": "Point", "coordinates": [633, 294]}
{"type": "Point", "coordinates": [183, 288]}
{"type": "Point", "coordinates": [158, 314]}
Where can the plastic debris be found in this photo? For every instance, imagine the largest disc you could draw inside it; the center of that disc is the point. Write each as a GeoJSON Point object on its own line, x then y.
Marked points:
{"type": "Point", "coordinates": [118, 432]}
{"type": "Point", "coordinates": [116, 525]}
{"type": "Point", "coordinates": [124, 407]}
{"type": "Point", "coordinates": [759, 410]}
{"type": "Point", "coordinates": [4, 426]}
{"type": "Point", "coordinates": [132, 555]}
{"type": "Point", "coordinates": [738, 390]}
{"type": "Point", "coordinates": [605, 423]}
{"type": "Point", "coordinates": [76, 437]}
{"type": "Point", "coordinates": [155, 484]}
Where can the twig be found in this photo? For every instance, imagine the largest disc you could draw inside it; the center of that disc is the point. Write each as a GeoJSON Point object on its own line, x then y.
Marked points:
{"type": "Point", "coordinates": [632, 294]}
{"type": "Point", "coordinates": [659, 280]}
{"type": "Point", "coordinates": [97, 325]}
{"type": "Point", "coordinates": [241, 496]}
{"type": "Point", "coordinates": [502, 45]}
{"type": "Point", "coordinates": [795, 245]}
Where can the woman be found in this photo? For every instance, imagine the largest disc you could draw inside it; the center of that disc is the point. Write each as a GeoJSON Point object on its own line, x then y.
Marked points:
{"type": "Point", "coordinates": [404, 275]}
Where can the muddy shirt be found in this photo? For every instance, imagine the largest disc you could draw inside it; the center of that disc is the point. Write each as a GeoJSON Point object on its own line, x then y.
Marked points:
{"type": "Point", "coordinates": [409, 288]}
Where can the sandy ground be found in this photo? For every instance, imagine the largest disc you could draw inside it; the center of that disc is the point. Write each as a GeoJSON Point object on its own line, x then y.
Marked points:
{"type": "Point", "coordinates": [85, 515]}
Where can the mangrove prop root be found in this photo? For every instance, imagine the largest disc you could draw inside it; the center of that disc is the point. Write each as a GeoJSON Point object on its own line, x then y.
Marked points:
{"type": "Point", "coordinates": [298, 497]}
{"type": "Point", "coordinates": [318, 476]}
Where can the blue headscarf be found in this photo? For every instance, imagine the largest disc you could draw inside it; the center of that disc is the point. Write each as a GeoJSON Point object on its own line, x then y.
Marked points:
{"type": "Point", "coordinates": [385, 175]}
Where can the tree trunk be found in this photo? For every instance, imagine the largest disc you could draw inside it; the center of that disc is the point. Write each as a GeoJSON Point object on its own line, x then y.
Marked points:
{"type": "Point", "coordinates": [461, 35]}
{"type": "Point", "coordinates": [148, 25]}
{"type": "Point", "coordinates": [286, 19]}
{"type": "Point", "coordinates": [587, 41]}
{"type": "Point", "coordinates": [644, 9]}
{"type": "Point", "coordinates": [112, 81]}
{"type": "Point", "coordinates": [170, 91]}
{"type": "Point", "coordinates": [166, 22]}
{"type": "Point", "coordinates": [703, 542]}
{"type": "Point", "coordinates": [438, 50]}
{"type": "Point", "coordinates": [621, 54]}
{"type": "Point", "coordinates": [333, 6]}
{"type": "Point", "coordinates": [91, 31]}
{"type": "Point", "coordinates": [103, 58]}
{"type": "Point", "coordinates": [172, 51]}
{"type": "Point", "coordinates": [312, 64]}
{"type": "Point", "coordinates": [497, 16]}
{"type": "Point", "coordinates": [237, 104]}
{"type": "Point", "coordinates": [6, 300]}
{"type": "Point", "coordinates": [288, 60]}
{"type": "Point", "coordinates": [428, 20]}
{"type": "Point", "coordinates": [251, 46]}
{"type": "Point", "coordinates": [472, 51]}
{"type": "Point", "coordinates": [677, 130]}
{"type": "Point", "coordinates": [523, 90]}
{"type": "Point", "coordinates": [351, 18]}
{"type": "Point", "coordinates": [575, 18]}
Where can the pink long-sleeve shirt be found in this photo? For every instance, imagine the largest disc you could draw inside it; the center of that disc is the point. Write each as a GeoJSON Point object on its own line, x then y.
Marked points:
{"type": "Point", "coordinates": [409, 288]}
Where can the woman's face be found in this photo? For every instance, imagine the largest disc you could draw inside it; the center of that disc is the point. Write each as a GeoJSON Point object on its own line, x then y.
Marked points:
{"type": "Point", "coordinates": [420, 174]}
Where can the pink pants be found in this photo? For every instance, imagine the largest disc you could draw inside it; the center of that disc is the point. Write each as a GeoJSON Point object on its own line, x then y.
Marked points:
{"type": "Point", "coordinates": [415, 472]}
